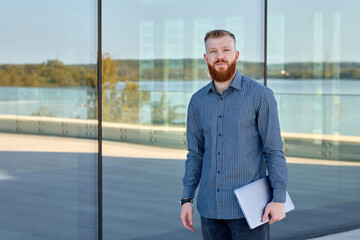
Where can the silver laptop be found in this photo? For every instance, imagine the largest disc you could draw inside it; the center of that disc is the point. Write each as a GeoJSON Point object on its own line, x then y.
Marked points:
{"type": "Point", "coordinates": [253, 199]}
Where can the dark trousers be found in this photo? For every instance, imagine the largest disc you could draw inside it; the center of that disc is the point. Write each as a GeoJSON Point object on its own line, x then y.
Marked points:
{"type": "Point", "coordinates": [237, 229]}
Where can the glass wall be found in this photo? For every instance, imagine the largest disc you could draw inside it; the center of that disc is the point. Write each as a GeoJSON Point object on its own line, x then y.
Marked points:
{"type": "Point", "coordinates": [48, 137]}
{"type": "Point", "coordinates": [153, 63]}
{"type": "Point", "coordinates": [314, 70]}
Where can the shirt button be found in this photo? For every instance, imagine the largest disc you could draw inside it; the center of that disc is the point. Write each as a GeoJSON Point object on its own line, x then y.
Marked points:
{"type": "Point", "coordinates": [218, 153]}
{"type": "Point", "coordinates": [219, 116]}
{"type": "Point", "coordinates": [218, 190]}
{"type": "Point", "coordinates": [218, 172]}
{"type": "Point", "coordinates": [219, 134]}
{"type": "Point", "coordinates": [221, 98]}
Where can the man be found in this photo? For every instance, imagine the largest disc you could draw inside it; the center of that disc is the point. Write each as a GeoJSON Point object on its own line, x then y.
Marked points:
{"type": "Point", "coordinates": [233, 135]}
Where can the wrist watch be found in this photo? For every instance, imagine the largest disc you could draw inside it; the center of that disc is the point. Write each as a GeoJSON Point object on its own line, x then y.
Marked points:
{"type": "Point", "coordinates": [185, 200]}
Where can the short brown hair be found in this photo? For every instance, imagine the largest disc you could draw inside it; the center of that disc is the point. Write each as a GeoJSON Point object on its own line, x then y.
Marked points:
{"type": "Point", "coordinates": [218, 33]}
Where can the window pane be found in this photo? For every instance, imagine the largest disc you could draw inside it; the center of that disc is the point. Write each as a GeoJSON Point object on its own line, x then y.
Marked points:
{"type": "Point", "coordinates": [314, 70]}
{"type": "Point", "coordinates": [48, 150]}
{"type": "Point", "coordinates": [153, 63]}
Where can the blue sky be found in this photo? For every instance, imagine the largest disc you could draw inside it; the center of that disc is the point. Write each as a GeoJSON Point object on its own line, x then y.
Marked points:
{"type": "Point", "coordinates": [33, 31]}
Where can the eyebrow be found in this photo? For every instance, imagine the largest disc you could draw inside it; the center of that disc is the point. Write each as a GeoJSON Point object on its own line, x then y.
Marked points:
{"type": "Point", "coordinates": [226, 47]}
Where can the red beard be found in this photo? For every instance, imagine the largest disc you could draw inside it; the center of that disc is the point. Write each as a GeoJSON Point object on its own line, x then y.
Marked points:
{"type": "Point", "coordinates": [222, 76]}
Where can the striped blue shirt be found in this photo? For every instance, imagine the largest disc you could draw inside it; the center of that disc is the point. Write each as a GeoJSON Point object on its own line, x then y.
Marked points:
{"type": "Point", "coordinates": [233, 138]}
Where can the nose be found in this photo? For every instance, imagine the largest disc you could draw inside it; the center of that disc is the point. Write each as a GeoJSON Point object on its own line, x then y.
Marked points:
{"type": "Point", "coordinates": [220, 55]}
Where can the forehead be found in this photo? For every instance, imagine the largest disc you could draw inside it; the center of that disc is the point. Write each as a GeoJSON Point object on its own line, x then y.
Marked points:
{"type": "Point", "coordinates": [221, 42]}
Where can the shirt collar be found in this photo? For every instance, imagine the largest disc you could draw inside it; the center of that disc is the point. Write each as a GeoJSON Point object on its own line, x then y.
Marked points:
{"type": "Point", "coordinates": [235, 83]}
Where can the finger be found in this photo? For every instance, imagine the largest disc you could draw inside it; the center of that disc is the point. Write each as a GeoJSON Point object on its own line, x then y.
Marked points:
{"type": "Point", "coordinates": [279, 217]}
{"type": "Point", "coordinates": [183, 217]}
{"type": "Point", "coordinates": [189, 226]}
{"type": "Point", "coordinates": [190, 222]}
{"type": "Point", "coordinates": [273, 219]}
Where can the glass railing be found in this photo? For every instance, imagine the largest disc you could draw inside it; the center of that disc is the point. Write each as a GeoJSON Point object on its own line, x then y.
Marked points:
{"type": "Point", "coordinates": [321, 126]}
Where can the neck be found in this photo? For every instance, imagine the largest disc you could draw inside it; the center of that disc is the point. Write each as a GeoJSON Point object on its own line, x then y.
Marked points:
{"type": "Point", "coordinates": [222, 86]}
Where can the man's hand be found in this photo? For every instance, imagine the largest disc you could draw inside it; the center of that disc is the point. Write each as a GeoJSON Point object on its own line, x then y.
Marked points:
{"type": "Point", "coordinates": [275, 210]}
{"type": "Point", "coordinates": [186, 216]}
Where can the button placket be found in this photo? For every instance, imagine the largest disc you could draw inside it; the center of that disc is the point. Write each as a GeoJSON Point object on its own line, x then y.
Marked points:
{"type": "Point", "coordinates": [219, 157]}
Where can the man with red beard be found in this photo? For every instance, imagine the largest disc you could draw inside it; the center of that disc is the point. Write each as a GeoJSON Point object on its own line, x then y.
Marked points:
{"type": "Point", "coordinates": [233, 136]}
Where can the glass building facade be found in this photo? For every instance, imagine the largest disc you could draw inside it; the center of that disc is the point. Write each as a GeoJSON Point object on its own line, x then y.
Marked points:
{"type": "Point", "coordinates": [55, 181]}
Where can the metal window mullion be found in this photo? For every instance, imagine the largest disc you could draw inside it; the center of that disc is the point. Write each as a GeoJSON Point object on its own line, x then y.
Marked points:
{"type": "Point", "coordinates": [265, 41]}
{"type": "Point", "coordinates": [99, 111]}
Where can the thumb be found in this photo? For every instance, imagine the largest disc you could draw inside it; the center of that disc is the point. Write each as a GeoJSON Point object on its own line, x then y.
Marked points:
{"type": "Point", "coordinates": [266, 214]}
{"type": "Point", "coordinates": [191, 221]}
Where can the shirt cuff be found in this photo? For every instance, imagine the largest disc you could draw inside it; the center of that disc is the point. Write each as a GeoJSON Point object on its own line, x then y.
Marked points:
{"type": "Point", "coordinates": [279, 196]}
{"type": "Point", "coordinates": [188, 193]}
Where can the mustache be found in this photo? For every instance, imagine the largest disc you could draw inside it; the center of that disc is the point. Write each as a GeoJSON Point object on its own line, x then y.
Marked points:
{"type": "Point", "coordinates": [221, 61]}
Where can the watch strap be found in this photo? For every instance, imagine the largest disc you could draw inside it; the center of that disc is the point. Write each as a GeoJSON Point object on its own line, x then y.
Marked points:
{"type": "Point", "coordinates": [185, 200]}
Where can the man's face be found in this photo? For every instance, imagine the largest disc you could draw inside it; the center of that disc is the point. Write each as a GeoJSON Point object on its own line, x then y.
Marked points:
{"type": "Point", "coordinates": [221, 58]}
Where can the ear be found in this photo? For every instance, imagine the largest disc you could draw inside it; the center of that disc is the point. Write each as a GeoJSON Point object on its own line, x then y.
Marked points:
{"type": "Point", "coordinates": [205, 57]}
{"type": "Point", "coordinates": [237, 54]}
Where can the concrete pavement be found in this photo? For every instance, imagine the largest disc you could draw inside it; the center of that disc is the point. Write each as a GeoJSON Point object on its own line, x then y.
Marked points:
{"type": "Point", "coordinates": [48, 191]}
{"type": "Point", "coordinates": [349, 235]}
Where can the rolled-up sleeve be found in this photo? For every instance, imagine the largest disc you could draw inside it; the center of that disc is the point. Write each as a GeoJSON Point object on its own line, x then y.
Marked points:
{"type": "Point", "coordinates": [193, 163]}
{"type": "Point", "coordinates": [269, 130]}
